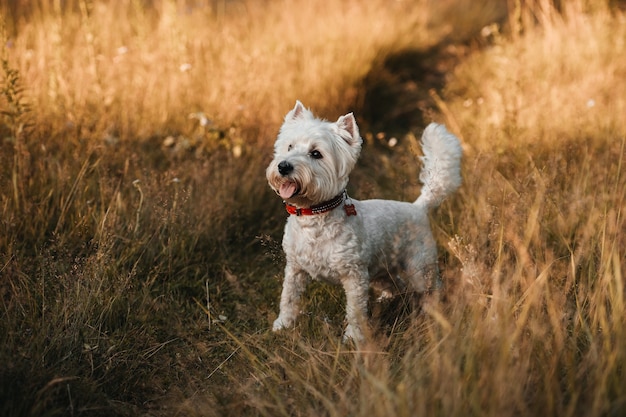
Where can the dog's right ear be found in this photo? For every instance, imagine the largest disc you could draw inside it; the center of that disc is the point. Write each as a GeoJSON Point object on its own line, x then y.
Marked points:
{"type": "Point", "coordinates": [349, 130]}
{"type": "Point", "coordinates": [299, 111]}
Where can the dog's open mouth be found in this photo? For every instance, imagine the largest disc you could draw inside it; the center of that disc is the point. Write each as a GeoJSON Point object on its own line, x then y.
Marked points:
{"type": "Point", "coordinates": [288, 189]}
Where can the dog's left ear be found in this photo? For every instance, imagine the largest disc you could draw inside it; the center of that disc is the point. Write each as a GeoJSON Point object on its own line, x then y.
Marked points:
{"type": "Point", "coordinates": [349, 130]}
{"type": "Point", "coordinates": [298, 112]}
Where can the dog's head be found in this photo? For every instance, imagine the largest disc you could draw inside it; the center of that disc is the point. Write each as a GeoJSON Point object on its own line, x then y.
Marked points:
{"type": "Point", "coordinates": [313, 157]}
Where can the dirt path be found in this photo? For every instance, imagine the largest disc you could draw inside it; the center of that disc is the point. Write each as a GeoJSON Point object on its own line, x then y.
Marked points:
{"type": "Point", "coordinates": [396, 94]}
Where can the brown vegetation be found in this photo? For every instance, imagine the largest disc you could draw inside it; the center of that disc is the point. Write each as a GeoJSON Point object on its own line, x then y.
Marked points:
{"type": "Point", "coordinates": [140, 264]}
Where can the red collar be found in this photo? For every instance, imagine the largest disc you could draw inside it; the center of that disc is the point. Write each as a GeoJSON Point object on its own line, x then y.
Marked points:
{"type": "Point", "coordinates": [319, 208]}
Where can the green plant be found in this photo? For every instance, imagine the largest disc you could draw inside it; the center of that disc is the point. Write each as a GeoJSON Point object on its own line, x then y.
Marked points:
{"type": "Point", "coordinates": [14, 122]}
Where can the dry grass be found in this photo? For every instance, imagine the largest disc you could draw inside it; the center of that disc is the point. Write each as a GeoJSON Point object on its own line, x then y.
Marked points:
{"type": "Point", "coordinates": [148, 72]}
{"type": "Point", "coordinates": [139, 248]}
{"type": "Point", "coordinates": [559, 81]}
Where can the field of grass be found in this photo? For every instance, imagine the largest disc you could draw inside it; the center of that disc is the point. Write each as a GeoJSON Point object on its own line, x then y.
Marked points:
{"type": "Point", "coordinates": [140, 259]}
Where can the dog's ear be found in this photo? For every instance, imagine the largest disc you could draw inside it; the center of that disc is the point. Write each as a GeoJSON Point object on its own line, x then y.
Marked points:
{"type": "Point", "coordinates": [299, 111]}
{"type": "Point", "coordinates": [349, 129]}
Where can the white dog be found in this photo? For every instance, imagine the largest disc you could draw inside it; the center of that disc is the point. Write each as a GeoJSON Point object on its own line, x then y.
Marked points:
{"type": "Point", "coordinates": [334, 238]}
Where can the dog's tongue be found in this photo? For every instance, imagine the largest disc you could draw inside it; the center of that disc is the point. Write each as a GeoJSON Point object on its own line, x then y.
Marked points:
{"type": "Point", "coordinates": [287, 189]}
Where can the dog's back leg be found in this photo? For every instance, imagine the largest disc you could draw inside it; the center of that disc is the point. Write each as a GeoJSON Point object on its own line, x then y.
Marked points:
{"type": "Point", "coordinates": [421, 268]}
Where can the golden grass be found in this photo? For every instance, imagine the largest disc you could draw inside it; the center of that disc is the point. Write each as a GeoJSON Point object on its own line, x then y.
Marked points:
{"type": "Point", "coordinates": [558, 81]}
{"type": "Point", "coordinates": [241, 64]}
{"type": "Point", "coordinates": [140, 264]}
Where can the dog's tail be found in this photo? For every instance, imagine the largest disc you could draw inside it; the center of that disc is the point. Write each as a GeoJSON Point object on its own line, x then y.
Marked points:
{"type": "Point", "coordinates": [441, 172]}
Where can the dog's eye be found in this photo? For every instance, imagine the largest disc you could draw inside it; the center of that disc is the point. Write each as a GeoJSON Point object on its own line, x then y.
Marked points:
{"type": "Point", "coordinates": [315, 154]}
{"type": "Point", "coordinates": [289, 148]}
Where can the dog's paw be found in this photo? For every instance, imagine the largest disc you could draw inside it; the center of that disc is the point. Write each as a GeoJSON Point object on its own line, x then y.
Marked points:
{"type": "Point", "coordinates": [353, 333]}
{"type": "Point", "coordinates": [385, 295]}
{"type": "Point", "coordinates": [281, 323]}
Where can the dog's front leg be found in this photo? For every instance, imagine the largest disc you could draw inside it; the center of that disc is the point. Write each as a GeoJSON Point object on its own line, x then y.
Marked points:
{"type": "Point", "coordinates": [356, 286]}
{"type": "Point", "coordinates": [294, 285]}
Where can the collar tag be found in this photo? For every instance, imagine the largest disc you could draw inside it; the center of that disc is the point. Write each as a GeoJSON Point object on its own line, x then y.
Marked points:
{"type": "Point", "coordinates": [350, 210]}
{"type": "Point", "coordinates": [348, 206]}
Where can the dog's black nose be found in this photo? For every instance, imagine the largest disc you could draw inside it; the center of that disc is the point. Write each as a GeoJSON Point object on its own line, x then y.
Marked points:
{"type": "Point", "coordinates": [284, 168]}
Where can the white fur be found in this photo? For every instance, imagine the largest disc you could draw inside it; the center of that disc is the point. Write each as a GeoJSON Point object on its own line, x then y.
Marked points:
{"type": "Point", "coordinates": [387, 241]}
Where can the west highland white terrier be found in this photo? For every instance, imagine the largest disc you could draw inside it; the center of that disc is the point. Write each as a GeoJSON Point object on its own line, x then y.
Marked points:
{"type": "Point", "coordinates": [332, 237]}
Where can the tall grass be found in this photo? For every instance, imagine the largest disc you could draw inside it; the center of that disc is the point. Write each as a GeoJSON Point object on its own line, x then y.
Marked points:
{"type": "Point", "coordinates": [139, 245]}
{"type": "Point", "coordinates": [558, 80]}
{"type": "Point", "coordinates": [148, 69]}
